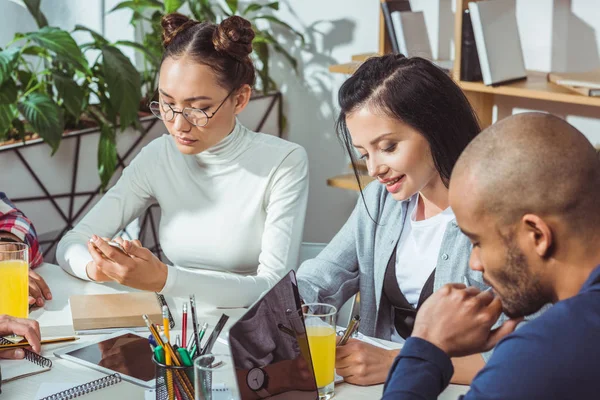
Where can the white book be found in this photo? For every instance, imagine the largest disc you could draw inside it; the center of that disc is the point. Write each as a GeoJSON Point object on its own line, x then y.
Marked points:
{"type": "Point", "coordinates": [411, 34]}
{"type": "Point", "coordinates": [497, 39]}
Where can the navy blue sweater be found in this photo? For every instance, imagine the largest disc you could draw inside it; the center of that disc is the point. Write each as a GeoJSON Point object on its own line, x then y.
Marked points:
{"type": "Point", "coordinates": [555, 356]}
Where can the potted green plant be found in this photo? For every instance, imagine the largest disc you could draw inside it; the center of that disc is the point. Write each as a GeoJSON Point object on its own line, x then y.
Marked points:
{"type": "Point", "coordinates": [47, 87]}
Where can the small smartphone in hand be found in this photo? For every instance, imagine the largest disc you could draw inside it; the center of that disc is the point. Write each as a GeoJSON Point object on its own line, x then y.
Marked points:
{"type": "Point", "coordinates": [113, 244]}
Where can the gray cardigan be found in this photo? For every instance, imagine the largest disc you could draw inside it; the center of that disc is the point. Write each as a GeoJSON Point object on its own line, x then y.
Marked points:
{"type": "Point", "coordinates": [356, 259]}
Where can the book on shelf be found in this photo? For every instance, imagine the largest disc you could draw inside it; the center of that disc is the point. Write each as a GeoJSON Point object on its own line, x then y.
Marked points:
{"type": "Point", "coordinates": [586, 83]}
{"type": "Point", "coordinates": [498, 42]}
{"type": "Point", "coordinates": [387, 8]}
{"type": "Point", "coordinates": [470, 71]}
{"type": "Point", "coordinates": [413, 39]}
{"type": "Point", "coordinates": [411, 34]}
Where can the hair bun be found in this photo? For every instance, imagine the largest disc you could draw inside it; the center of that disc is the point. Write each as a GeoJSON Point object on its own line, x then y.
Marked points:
{"type": "Point", "coordinates": [233, 37]}
{"type": "Point", "coordinates": [173, 24]}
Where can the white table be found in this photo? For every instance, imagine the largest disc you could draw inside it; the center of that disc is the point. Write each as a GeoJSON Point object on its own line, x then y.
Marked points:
{"type": "Point", "coordinates": [55, 321]}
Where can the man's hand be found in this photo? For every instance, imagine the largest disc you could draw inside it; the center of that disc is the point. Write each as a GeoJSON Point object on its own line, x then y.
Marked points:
{"type": "Point", "coordinates": [363, 364]}
{"type": "Point", "coordinates": [459, 320]}
{"type": "Point", "coordinates": [38, 289]}
{"type": "Point", "coordinates": [140, 269]}
{"type": "Point", "coordinates": [22, 327]}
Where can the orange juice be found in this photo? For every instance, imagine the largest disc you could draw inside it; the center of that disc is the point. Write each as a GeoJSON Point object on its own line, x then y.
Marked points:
{"type": "Point", "coordinates": [14, 288]}
{"type": "Point", "coordinates": [321, 339]}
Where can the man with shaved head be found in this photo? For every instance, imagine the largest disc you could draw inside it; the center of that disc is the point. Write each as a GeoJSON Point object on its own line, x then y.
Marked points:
{"type": "Point", "coordinates": [526, 191]}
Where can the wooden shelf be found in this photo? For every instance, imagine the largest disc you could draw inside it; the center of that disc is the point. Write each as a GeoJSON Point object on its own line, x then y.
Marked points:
{"type": "Point", "coordinates": [348, 181]}
{"type": "Point", "coordinates": [535, 87]}
{"type": "Point", "coordinates": [363, 57]}
{"type": "Point", "coordinates": [347, 68]}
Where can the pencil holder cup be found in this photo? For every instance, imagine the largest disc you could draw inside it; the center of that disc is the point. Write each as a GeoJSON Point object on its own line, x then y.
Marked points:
{"type": "Point", "coordinates": [173, 382]}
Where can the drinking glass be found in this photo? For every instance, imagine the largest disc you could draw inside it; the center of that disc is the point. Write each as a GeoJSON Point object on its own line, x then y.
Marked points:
{"type": "Point", "coordinates": [14, 279]}
{"type": "Point", "coordinates": [214, 378]}
{"type": "Point", "coordinates": [319, 319]}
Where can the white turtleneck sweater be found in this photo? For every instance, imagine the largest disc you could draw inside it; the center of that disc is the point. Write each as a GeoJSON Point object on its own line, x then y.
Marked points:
{"type": "Point", "coordinates": [231, 217]}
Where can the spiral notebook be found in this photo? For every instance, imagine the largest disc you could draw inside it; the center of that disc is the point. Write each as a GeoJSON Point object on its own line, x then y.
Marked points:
{"type": "Point", "coordinates": [31, 365]}
{"type": "Point", "coordinates": [108, 387]}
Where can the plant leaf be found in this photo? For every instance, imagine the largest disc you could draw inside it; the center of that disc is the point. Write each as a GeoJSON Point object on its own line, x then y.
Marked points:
{"type": "Point", "coordinates": [8, 92]}
{"type": "Point", "coordinates": [123, 84]}
{"type": "Point", "coordinates": [19, 126]}
{"type": "Point", "coordinates": [7, 114]}
{"type": "Point", "coordinates": [284, 24]}
{"type": "Point", "coordinates": [251, 8]}
{"type": "Point", "coordinates": [262, 51]}
{"type": "Point", "coordinates": [60, 42]}
{"type": "Point", "coordinates": [71, 94]}
{"type": "Point", "coordinates": [25, 78]}
{"type": "Point", "coordinates": [8, 59]}
{"type": "Point", "coordinates": [44, 116]}
{"type": "Point", "coordinates": [255, 7]}
{"type": "Point", "coordinates": [172, 5]}
{"type": "Point", "coordinates": [274, 5]}
{"type": "Point", "coordinates": [232, 5]}
{"type": "Point", "coordinates": [147, 53]}
{"type": "Point", "coordinates": [98, 38]}
{"type": "Point", "coordinates": [138, 5]}
{"type": "Point", "coordinates": [34, 9]}
{"type": "Point", "coordinates": [107, 154]}
{"type": "Point", "coordinates": [36, 51]}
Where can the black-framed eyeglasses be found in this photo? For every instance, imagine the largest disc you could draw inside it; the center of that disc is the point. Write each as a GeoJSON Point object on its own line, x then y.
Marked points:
{"type": "Point", "coordinates": [195, 116]}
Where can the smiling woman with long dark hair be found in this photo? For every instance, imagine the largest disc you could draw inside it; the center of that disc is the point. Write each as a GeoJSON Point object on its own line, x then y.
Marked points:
{"type": "Point", "coordinates": [409, 122]}
{"type": "Point", "coordinates": [232, 201]}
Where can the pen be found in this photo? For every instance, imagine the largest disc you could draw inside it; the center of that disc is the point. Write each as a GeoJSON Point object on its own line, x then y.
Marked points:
{"type": "Point", "coordinates": [48, 341]}
{"type": "Point", "coordinates": [349, 330]}
{"type": "Point", "coordinates": [194, 319]}
{"type": "Point", "coordinates": [214, 335]}
{"type": "Point", "coordinates": [165, 317]}
{"type": "Point", "coordinates": [202, 333]}
{"type": "Point", "coordinates": [184, 326]}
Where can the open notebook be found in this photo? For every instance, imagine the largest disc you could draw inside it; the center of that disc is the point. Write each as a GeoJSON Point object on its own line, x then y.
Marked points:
{"type": "Point", "coordinates": [31, 365]}
{"type": "Point", "coordinates": [108, 387]}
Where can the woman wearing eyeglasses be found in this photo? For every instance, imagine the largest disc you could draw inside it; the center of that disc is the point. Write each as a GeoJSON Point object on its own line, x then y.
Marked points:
{"type": "Point", "coordinates": [232, 201]}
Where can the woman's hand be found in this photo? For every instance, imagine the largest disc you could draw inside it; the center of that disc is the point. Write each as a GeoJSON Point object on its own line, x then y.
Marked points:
{"type": "Point", "coordinates": [139, 269]}
{"type": "Point", "coordinates": [363, 364]}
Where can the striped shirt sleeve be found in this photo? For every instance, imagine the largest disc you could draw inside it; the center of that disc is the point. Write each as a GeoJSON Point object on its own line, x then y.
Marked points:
{"type": "Point", "coordinates": [14, 221]}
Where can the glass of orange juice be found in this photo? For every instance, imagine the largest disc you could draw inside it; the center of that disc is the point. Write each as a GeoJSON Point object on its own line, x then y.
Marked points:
{"type": "Point", "coordinates": [319, 319]}
{"type": "Point", "coordinates": [14, 279]}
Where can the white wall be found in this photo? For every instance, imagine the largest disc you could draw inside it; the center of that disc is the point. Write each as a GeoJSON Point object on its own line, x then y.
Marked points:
{"type": "Point", "coordinates": [556, 34]}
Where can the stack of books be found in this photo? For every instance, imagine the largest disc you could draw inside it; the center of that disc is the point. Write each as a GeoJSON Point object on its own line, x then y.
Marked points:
{"type": "Point", "coordinates": [585, 83]}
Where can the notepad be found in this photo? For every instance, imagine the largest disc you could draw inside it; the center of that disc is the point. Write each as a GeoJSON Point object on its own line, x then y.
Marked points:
{"type": "Point", "coordinates": [120, 310]}
{"type": "Point", "coordinates": [108, 387]}
{"type": "Point", "coordinates": [32, 364]}
{"type": "Point", "coordinates": [15, 369]}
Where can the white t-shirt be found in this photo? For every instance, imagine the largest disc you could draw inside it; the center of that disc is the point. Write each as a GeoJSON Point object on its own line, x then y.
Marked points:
{"type": "Point", "coordinates": [231, 217]}
{"type": "Point", "coordinates": [417, 252]}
